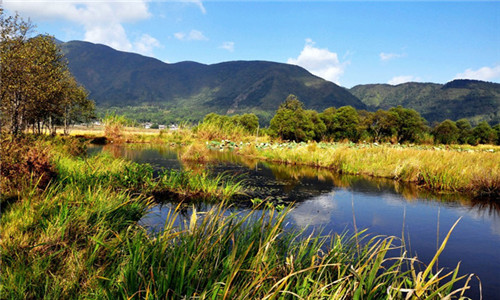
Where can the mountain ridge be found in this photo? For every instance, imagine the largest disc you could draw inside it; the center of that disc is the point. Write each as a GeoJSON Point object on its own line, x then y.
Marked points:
{"type": "Point", "coordinates": [188, 90]}
{"type": "Point", "coordinates": [116, 78]}
{"type": "Point", "coordinates": [475, 100]}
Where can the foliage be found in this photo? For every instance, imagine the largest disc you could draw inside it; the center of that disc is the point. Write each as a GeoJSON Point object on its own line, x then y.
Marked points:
{"type": "Point", "coordinates": [410, 126]}
{"type": "Point", "coordinates": [446, 132]}
{"type": "Point", "coordinates": [464, 131]}
{"type": "Point", "coordinates": [113, 126]}
{"type": "Point", "coordinates": [36, 88]}
{"type": "Point", "coordinates": [484, 134]}
{"type": "Point", "coordinates": [292, 122]}
{"type": "Point", "coordinates": [227, 127]}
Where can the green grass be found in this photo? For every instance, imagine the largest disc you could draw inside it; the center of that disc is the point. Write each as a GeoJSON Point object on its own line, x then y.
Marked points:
{"type": "Point", "coordinates": [80, 238]}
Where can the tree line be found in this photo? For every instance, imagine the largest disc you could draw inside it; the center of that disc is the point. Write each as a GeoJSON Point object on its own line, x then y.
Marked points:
{"type": "Point", "coordinates": [36, 88]}
{"type": "Point", "coordinates": [397, 125]}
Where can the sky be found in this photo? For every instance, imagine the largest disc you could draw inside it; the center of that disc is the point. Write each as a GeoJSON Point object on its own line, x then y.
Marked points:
{"type": "Point", "coordinates": [348, 43]}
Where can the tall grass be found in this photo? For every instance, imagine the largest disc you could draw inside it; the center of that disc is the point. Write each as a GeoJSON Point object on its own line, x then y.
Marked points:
{"type": "Point", "coordinates": [105, 170]}
{"type": "Point", "coordinates": [252, 257]}
{"type": "Point", "coordinates": [80, 238]}
{"type": "Point", "coordinates": [475, 172]}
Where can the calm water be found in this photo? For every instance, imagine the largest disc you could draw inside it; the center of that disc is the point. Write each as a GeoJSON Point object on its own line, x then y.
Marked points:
{"type": "Point", "coordinates": [349, 203]}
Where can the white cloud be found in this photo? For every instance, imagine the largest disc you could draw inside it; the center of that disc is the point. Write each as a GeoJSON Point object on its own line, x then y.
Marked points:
{"type": "Point", "coordinates": [402, 79]}
{"type": "Point", "coordinates": [388, 56]}
{"type": "Point", "coordinates": [229, 46]}
{"type": "Point", "coordinates": [320, 62]}
{"type": "Point", "coordinates": [199, 4]}
{"type": "Point", "coordinates": [145, 44]}
{"type": "Point", "coordinates": [193, 35]}
{"type": "Point", "coordinates": [484, 73]}
{"type": "Point", "coordinates": [102, 21]}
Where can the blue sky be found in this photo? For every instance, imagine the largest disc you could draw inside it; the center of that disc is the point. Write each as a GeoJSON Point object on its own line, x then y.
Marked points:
{"type": "Point", "coordinates": [348, 43]}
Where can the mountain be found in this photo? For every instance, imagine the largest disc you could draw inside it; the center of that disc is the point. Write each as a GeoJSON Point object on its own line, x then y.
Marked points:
{"type": "Point", "coordinates": [472, 99]}
{"type": "Point", "coordinates": [189, 90]}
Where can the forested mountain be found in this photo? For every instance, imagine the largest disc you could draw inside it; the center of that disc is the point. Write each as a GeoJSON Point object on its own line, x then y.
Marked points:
{"type": "Point", "coordinates": [471, 99]}
{"type": "Point", "coordinates": [149, 89]}
{"type": "Point", "coordinates": [189, 90]}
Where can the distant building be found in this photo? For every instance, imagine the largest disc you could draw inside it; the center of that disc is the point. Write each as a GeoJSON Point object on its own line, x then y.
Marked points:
{"type": "Point", "coordinates": [161, 126]}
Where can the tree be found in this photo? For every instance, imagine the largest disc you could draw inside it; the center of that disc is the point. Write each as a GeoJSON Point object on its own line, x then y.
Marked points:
{"type": "Point", "coordinates": [36, 87]}
{"type": "Point", "coordinates": [382, 125]}
{"type": "Point", "coordinates": [410, 126]}
{"type": "Point", "coordinates": [497, 131]}
{"type": "Point", "coordinates": [328, 118]}
{"type": "Point", "coordinates": [250, 122]}
{"type": "Point", "coordinates": [346, 120]}
{"type": "Point", "coordinates": [446, 132]}
{"type": "Point", "coordinates": [319, 127]}
{"type": "Point", "coordinates": [291, 122]}
{"type": "Point", "coordinates": [484, 134]}
{"type": "Point", "coordinates": [464, 131]}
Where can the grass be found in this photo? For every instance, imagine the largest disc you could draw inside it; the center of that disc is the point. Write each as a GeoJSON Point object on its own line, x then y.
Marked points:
{"type": "Point", "coordinates": [79, 238]}
{"type": "Point", "coordinates": [456, 168]}
{"type": "Point", "coordinates": [474, 172]}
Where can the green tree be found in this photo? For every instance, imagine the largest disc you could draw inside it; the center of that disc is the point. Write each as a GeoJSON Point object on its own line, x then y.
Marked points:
{"type": "Point", "coordinates": [484, 134]}
{"type": "Point", "coordinates": [328, 118]}
{"type": "Point", "coordinates": [291, 121]}
{"type": "Point", "coordinates": [250, 122]}
{"type": "Point", "coordinates": [382, 125]}
{"type": "Point", "coordinates": [410, 126]}
{"type": "Point", "coordinates": [464, 131]}
{"type": "Point", "coordinates": [36, 87]}
{"type": "Point", "coordinates": [446, 132]}
{"type": "Point", "coordinates": [497, 131]}
{"type": "Point", "coordinates": [347, 121]}
{"type": "Point", "coordinates": [319, 127]}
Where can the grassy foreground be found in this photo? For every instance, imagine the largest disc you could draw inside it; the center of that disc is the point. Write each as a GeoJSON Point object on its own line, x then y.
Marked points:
{"type": "Point", "coordinates": [79, 237]}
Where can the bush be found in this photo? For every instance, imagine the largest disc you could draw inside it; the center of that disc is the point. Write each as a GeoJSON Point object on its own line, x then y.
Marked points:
{"type": "Point", "coordinates": [22, 162]}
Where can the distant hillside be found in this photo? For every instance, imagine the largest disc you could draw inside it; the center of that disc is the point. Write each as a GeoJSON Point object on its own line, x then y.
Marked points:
{"type": "Point", "coordinates": [189, 90]}
{"type": "Point", "coordinates": [471, 99]}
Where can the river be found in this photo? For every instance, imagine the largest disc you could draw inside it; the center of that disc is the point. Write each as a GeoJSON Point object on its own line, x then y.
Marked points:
{"type": "Point", "coordinates": [334, 203]}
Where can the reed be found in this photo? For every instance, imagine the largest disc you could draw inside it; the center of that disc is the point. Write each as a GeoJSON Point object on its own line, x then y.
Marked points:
{"type": "Point", "coordinates": [251, 256]}
{"type": "Point", "coordinates": [475, 172]}
{"type": "Point", "coordinates": [80, 238]}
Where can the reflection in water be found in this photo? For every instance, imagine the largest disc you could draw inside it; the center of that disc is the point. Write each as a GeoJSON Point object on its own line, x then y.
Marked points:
{"type": "Point", "coordinates": [333, 202]}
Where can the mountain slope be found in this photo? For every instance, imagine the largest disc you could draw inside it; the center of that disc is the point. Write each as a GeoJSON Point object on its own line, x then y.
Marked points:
{"type": "Point", "coordinates": [189, 90]}
{"type": "Point", "coordinates": [471, 99]}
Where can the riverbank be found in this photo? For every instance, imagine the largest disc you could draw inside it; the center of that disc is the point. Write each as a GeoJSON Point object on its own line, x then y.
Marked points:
{"type": "Point", "coordinates": [473, 170]}
{"type": "Point", "coordinates": [78, 236]}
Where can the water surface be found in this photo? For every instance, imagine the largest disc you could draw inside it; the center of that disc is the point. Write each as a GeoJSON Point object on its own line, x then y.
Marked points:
{"type": "Point", "coordinates": [334, 203]}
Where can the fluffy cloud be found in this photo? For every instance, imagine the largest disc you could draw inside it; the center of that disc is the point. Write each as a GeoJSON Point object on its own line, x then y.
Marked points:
{"type": "Point", "coordinates": [229, 46]}
{"type": "Point", "coordinates": [388, 56]}
{"type": "Point", "coordinates": [102, 21]}
{"type": "Point", "coordinates": [193, 35]}
{"type": "Point", "coordinates": [484, 73]}
{"type": "Point", "coordinates": [320, 62]}
{"type": "Point", "coordinates": [145, 44]}
{"type": "Point", "coordinates": [402, 79]}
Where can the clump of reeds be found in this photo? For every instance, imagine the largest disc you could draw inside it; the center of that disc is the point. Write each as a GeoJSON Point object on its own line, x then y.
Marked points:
{"type": "Point", "coordinates": [216, 255]}
{"type": "Point", "coordinates": [473, 172]}
{"type": "Point", "coordinates": [195, 152]}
